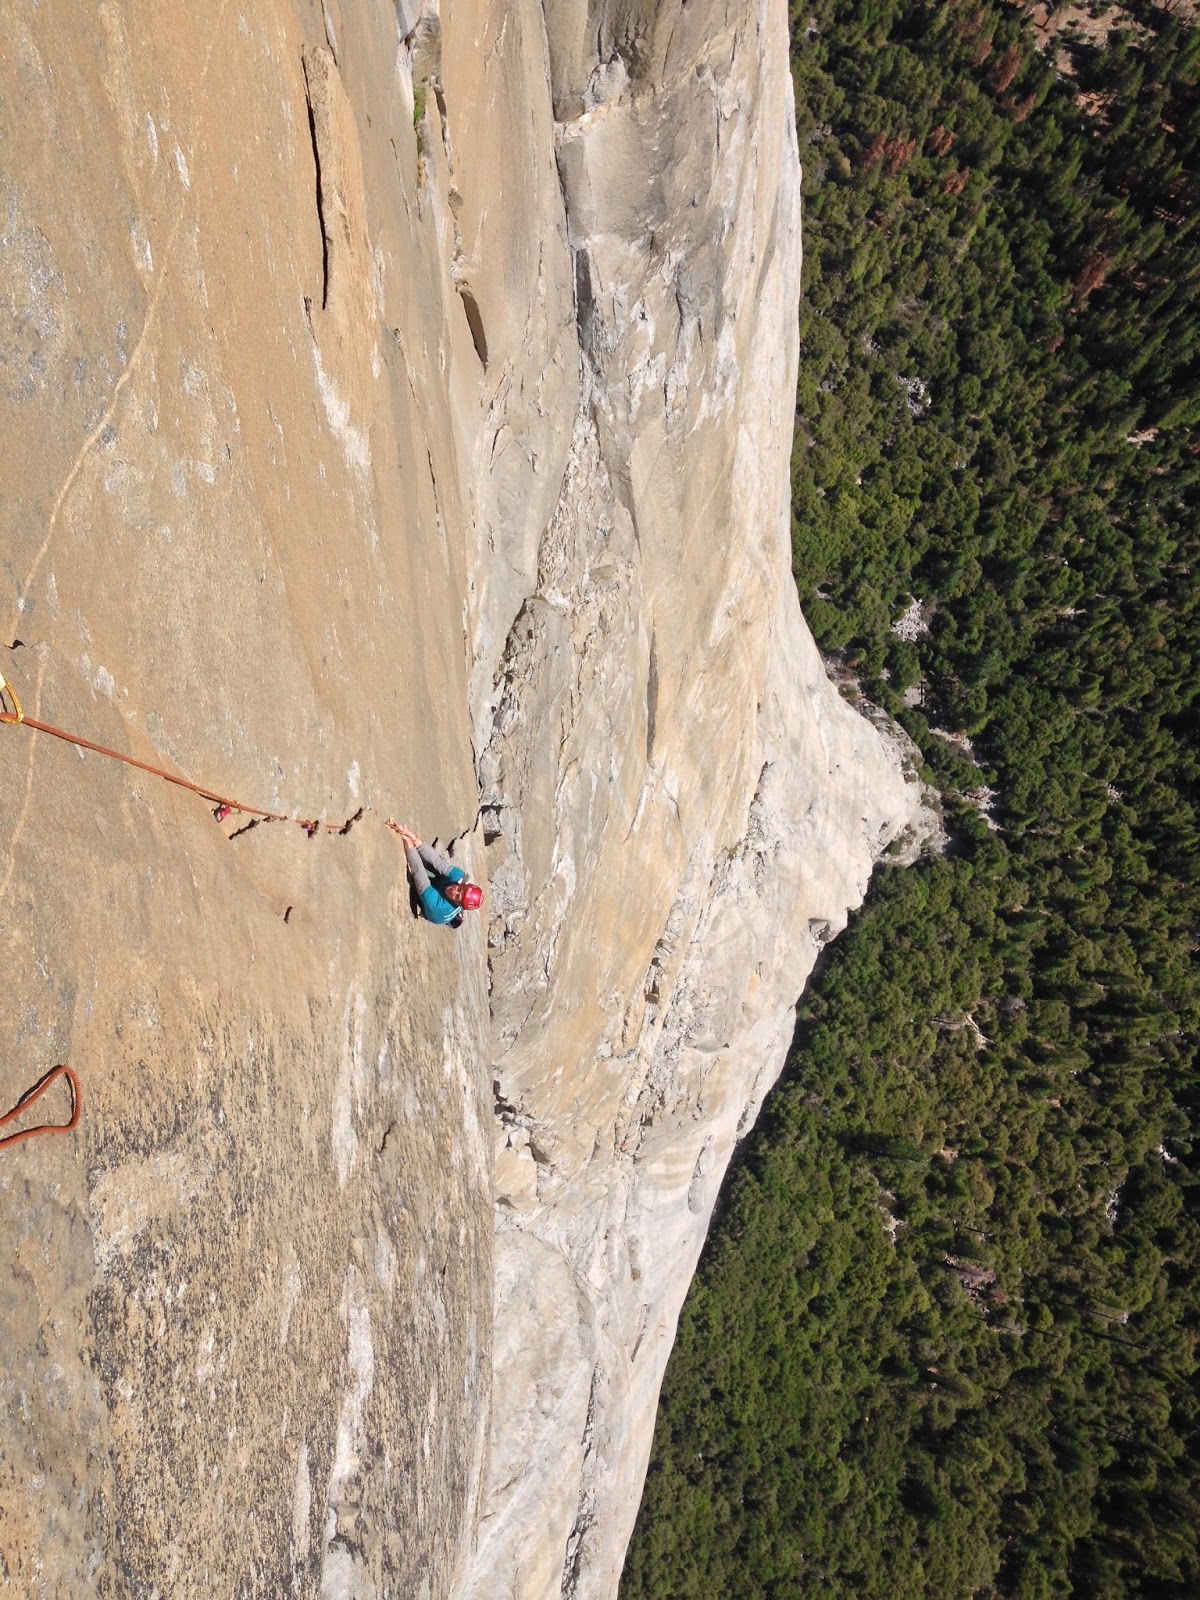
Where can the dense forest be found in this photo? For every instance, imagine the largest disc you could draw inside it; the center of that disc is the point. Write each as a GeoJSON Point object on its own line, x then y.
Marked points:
{"type": "Point", "coordinates": [943, 1339]}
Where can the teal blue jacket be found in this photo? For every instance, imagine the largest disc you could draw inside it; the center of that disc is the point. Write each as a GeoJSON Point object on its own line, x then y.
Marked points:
{"type": "Point", "coordinates": [434, 905]}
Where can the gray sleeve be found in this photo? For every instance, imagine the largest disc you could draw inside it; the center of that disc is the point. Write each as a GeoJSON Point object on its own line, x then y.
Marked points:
{"type": "Point", "coordinates": [436, 861]}
{"type": "Point", "coordinates": [416, 869]}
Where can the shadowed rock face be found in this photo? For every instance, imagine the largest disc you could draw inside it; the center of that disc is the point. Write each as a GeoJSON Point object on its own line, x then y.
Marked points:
{"type": "Point", "coordinates": [678, 807]}
{"type": "Point", "coordinates": [397, 413]}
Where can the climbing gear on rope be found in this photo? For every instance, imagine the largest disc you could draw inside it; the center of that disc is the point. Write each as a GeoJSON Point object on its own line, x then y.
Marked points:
{"type": "Point", "coordinates": [28, 1098]}
{"type": "Point", "coordinates": [11, 711]}
{"type": "Point", "coordinates": [224, 805]}
{"type": "Point", "coordinates": [8, 693]}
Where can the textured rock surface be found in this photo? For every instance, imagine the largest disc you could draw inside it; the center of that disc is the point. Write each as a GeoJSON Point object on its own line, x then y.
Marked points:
{"type": "Point", "coordinates": [397, 412]}
{"type": "Point", "coordinates": [680, 810]}
{"type": "Point", "coordinates": [245, 1317]}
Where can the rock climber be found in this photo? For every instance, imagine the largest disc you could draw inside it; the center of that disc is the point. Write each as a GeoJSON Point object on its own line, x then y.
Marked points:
{"type": "Point", "coordinates": [449, 893]}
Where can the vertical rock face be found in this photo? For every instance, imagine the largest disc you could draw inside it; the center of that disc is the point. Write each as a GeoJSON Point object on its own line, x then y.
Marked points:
{"type": "Point", "coordinates": [678, 808]}
{"type": "Point", "coordinates": [245, 1318]}
{"type": "Point", "coordinates": [397, 410]}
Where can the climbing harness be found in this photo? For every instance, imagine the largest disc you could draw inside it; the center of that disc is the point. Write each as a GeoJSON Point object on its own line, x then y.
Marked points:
{"type": "Point", "coordinates": [36, 1093]}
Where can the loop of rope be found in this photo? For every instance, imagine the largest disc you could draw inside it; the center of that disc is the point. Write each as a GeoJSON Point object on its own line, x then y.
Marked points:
{"type": "Point", "coordinates": [28, 1098]}
{"type": "Point", "coordinates": [11, 712]}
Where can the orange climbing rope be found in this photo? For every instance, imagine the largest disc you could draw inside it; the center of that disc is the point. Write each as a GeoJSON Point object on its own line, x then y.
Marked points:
{"type": "Point", "coordinates": [12, 713]}
{"type": "Point", "coordinates": [225, 805]}
{"type": "Point", "coordinates": [36, 1093]}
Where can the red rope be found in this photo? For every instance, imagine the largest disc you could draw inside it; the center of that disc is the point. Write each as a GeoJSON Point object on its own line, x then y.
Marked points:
{"type": "Point", "coordinates": [224, 805]}
{"type": "Point", "coordinates": [310, 827]}
{"type": "Point", "coordinates": [36, 1093]}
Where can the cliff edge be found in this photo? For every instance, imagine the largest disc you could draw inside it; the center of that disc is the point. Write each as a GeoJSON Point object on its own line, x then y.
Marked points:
{"type": "Point", "coordinates": [679, 809]}
{"type": "Point", "coordinates": [397, 413]}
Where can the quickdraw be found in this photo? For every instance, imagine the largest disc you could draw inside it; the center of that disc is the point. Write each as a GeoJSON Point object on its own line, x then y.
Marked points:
{"type": "Point", "coordinates": [8, 693]}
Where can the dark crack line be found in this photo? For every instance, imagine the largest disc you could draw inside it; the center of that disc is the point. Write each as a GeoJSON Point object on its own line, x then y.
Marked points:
{"type": "Point", "coordinates": [316, 150]}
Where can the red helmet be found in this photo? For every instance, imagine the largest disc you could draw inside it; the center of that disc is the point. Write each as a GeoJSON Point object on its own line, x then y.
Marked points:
{"type": "Point", "coordinates": [472, 897]}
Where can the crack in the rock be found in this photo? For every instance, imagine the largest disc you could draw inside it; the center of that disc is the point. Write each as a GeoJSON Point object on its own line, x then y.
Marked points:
{"type": "Point", "coordinates": [349, 823]}
{"type": "Point", "coordinates": [316, 150]}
